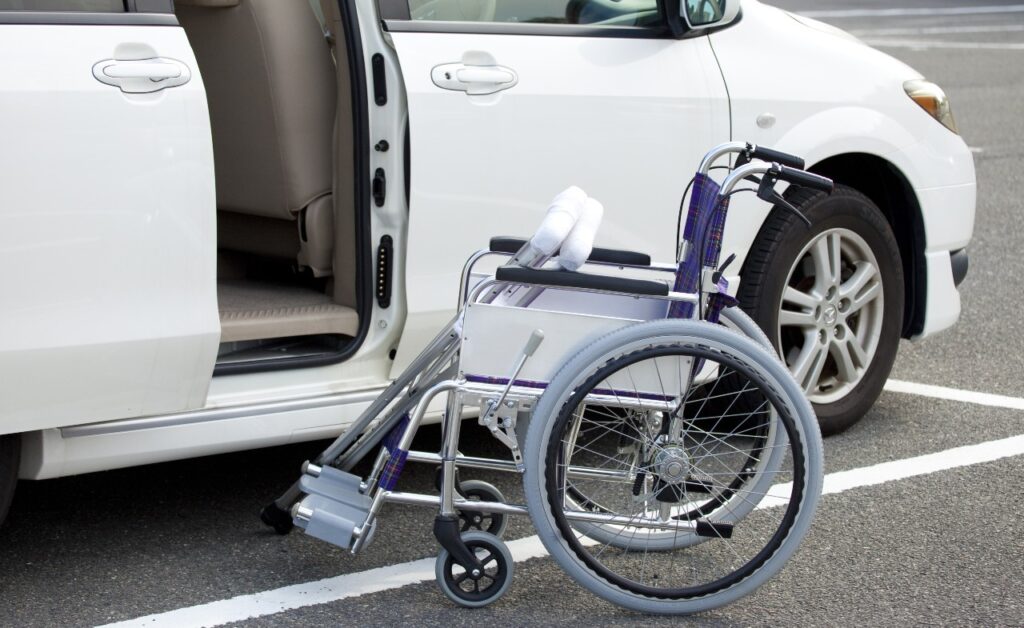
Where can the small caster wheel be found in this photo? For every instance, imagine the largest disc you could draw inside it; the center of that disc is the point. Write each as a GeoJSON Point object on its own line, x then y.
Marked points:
{"type": "Point", "coordinates": [280, 520]}
{"type": "Point", "coordinates": [474, 590]}
{"type": "Point", "coordinates": [493, 522]}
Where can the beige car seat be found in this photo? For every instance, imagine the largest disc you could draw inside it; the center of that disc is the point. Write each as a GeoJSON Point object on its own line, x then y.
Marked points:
{"type": "Point", "coordinates": [272, 90]}
{"type": "Point", "coordinates": [270, 84]}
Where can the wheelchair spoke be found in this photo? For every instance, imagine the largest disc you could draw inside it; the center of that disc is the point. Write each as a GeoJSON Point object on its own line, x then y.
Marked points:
{"type": "Point", "coordinates": [637, 486]}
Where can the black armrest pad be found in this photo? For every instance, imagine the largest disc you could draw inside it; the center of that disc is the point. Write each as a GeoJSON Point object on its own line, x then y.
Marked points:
{"type": "Point", "coordinates": [568, 279]}
{"type": "Point", "coordinates": [616, 256]}
{"type": "Point", "coordinates": [505, 244]}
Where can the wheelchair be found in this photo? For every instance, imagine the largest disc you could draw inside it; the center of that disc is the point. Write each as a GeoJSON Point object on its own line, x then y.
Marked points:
{"type": "Point", "coordinates": [670, 463]}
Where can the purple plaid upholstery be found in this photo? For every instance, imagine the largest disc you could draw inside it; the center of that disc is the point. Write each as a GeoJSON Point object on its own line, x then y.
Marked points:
{"type": "Point", "coordinates": [703, 194]}
{"type": "Point", "coordinates": [393, 470]}
{"type": "Point", "coordinates": [389, 477]}
{"type": "Point", "coordinates": [719, 301]}
{"type": "Point", "coordinates": [705, 222]}
{"type": "Point", "coordinates": [396, 433]}
{"type": "Point", "coordinates": [713, 236]}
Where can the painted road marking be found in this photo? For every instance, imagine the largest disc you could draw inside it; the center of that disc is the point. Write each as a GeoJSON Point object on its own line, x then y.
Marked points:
{"type": "Point", "coordinates": [954, 394]}
{"type": "Point", "coordinates": [395, 576]}
{"type": "Point", "coordinates": [982, 10]}
{"type": "Point", "coordinates": [947, 45]}
{"type": "Point", "coordinates": [938, 30]}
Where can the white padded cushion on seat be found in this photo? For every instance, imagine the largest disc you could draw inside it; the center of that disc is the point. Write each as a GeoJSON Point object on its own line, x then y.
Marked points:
{"type": "Point", "coordinates": [560, 218]}
{"type": "Point", "coordinates": [579, 243]}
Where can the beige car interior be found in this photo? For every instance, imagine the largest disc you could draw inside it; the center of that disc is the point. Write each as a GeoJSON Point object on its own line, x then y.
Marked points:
{"type": "Point", "coordinates": [280, 112]}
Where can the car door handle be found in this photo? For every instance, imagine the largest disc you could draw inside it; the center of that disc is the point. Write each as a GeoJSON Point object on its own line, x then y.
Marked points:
{"type": "Point", "coordinates": [143, 75]}
{"type": "Point", "coordinates": [151, 71]}
{"type": "Point", "coordinates": [493, 75]}
{"type": "Point", "coordinates": [475, 80]}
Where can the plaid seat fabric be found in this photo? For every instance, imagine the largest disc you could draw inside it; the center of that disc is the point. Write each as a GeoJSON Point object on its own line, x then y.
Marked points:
{"type": "Point", "coordinates": [705, 222]}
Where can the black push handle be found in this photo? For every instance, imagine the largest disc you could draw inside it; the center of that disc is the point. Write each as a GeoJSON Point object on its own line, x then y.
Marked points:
{"type": "Point", "coordinates": [570, 279]}
{"type": "Point", "coordinates": [603, 256]}
{"type": "Point", "coordinates": [778, 157]}
{"type": "Point", "coordinates": [806, 179]}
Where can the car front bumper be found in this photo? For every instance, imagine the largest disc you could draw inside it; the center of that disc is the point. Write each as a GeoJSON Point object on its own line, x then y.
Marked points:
{"type": "Point", "coordinates": [960, 263]}
{"type": "Point", "coordinates": [948, 219]}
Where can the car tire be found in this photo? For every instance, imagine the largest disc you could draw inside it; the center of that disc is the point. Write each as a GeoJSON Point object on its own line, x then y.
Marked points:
{"type": "Point", "coordinates": [10, 459]}
{"type": "Point", "coordinates": [839, 335]}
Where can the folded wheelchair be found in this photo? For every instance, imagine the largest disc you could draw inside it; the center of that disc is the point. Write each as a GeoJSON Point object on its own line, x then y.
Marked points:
{"type": "Point", "coordinates": [670, 462]}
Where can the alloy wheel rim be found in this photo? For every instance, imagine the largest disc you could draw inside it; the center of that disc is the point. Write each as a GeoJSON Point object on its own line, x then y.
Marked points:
{"type": "Point", "coordinates": [830, 315]}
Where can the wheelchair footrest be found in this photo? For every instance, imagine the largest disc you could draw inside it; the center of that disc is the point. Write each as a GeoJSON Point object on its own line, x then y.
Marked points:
{"type": "Point", "coordinates": [332, 483]}
{"type": "Point", "coordinates": [333, 507]}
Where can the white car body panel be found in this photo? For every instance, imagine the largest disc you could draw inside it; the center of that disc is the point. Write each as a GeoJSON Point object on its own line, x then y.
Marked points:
{"type": "Point", "coordinates": [592, 112]}
{"type": "Point", "coordinates": [97, 376]}
{"type": "Point", "coordinates": [109, 295]}
{"type": "Point", "coordinates": [821, 112]}
{"type": "Point", "coordinates": [83, 449]}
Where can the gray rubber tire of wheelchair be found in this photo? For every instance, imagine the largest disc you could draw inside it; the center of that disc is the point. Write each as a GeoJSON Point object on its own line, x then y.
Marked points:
{"type": "Point", "coordinates": [501, 554]}
{"type": "Point", "coordinates": [737, 320]}
{"type": "Point", "coordinates": [617, 343]}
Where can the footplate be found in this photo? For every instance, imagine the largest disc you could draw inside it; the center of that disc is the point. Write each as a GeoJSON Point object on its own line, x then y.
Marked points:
{"type": "Point", "coordinates": [333, 507]}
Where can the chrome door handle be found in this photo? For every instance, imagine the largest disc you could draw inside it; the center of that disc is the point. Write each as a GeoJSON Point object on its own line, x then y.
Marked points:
{"type": "Point", "coordinates": [475, 80]}
{"type": "Point", "coordinates": [142, 76]}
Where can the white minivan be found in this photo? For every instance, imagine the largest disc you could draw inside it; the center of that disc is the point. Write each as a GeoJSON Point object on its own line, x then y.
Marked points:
{"type": "Point", "coordinates": [227, 224]}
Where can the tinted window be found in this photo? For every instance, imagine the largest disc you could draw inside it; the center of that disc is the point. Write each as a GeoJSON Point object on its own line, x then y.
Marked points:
{"type": "Point", "coordinates": [94, 6]}
{"type": "Point", "coordinates": [589, 12]}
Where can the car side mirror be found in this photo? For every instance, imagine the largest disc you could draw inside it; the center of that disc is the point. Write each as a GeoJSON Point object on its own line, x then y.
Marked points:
{"type": "Point", "coordinates": [689, 16]}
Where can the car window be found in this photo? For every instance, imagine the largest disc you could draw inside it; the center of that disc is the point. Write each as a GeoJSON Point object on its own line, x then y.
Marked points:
{"type": "Point", "coordinates": [92, 6]}
{"type": "Point", "coordinates": [583, 12]}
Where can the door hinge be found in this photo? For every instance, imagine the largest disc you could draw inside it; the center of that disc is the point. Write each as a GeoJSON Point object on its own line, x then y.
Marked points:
{"type": "Point", "coordinates": [380, 84]}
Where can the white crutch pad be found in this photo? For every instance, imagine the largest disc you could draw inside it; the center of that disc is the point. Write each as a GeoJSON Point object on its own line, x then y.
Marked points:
{"type": "Point", "coordinates": [561, 217]}
{"type": "Point", "coordinates": [580, 242]}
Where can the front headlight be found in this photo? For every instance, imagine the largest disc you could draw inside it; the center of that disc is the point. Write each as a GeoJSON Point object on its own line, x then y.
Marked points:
{"type": "Point", "coordinates": [932, 99]}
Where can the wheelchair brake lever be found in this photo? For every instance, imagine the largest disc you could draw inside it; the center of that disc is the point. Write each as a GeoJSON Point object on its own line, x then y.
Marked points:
{"type": "Point", "coordinates": [766, 192]}
{"type": "Point", "coordinates": [717, 275]}
{"type": "Point", "coordinates": [490, 417]}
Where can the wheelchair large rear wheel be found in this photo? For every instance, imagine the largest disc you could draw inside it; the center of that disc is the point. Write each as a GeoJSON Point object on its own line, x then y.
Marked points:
{"type": "Point", "coordinates": [759, 469]}
{"type": "Point", "coordinates": [666, 490]}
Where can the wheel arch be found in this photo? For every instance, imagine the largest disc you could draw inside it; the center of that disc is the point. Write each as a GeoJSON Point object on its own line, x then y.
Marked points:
{"type": "Point", "coordinates": [886, 186]}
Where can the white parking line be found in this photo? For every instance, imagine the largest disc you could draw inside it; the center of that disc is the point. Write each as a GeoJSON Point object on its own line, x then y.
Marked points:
{"type": "Point", "coordinates": [939, 30]}
{"type": "Point", "coordinates": [312, 593]}
{"type": "Point", "coordinates": [908, 12]}
{"type": "Point", "coordinates": [954, 394]}
{"type": "Point", "coordinates": [395, 576]}
{"type": "Point", "coordinates": [916, 44]}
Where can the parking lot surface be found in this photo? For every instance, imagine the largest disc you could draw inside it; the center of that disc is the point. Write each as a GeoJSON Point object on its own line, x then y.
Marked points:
{"type": "Point", "coordinates": [936, 540]}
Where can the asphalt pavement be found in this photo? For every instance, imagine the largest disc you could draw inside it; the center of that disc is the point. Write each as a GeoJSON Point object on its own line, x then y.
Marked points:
{"type": "Point", "coordinates": [937, 548]}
